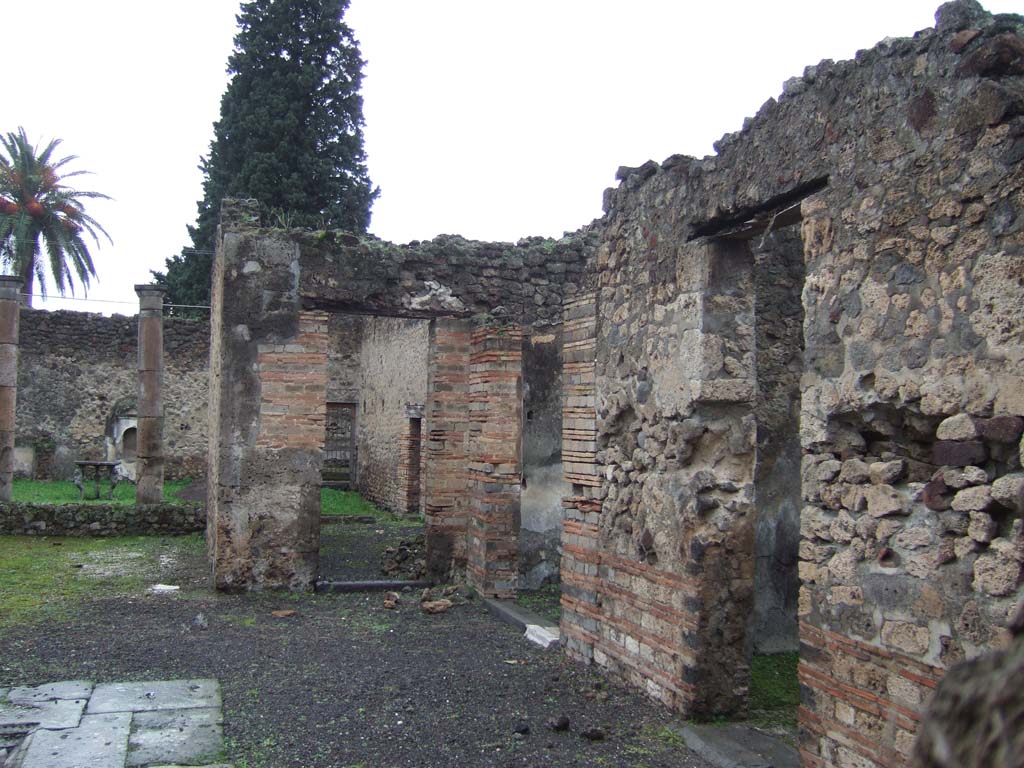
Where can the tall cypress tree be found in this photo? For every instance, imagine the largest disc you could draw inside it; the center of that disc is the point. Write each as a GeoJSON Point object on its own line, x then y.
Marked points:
{"type": "Point", "coordinates": [290, 132]}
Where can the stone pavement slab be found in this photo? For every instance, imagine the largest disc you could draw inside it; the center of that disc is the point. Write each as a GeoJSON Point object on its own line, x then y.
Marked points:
{"type": "Point", "coordinates": [738, 746]}
{"type": "Point", "coordinates": [70, 689]}
{"type": "Point", "coordinates": [51, 713]}
{"type": "Point", "coordinates": [100, 741]}
{"type": "Point", "coordinates": [156, 695]}
{"type": "Point", "coordinates": [159, 724]}
{"type": "Point", "coordinates": [180, 736]}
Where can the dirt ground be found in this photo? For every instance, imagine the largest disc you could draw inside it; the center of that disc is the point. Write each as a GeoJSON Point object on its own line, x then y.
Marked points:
{"type": "Point", "coordinates": [345, 683]}
{"type": "Point", "coordinates": [355, 551]}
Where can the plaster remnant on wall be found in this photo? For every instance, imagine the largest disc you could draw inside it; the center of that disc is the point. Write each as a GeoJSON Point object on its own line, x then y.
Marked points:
{"type": "Point", "coordinates": [435, 297]}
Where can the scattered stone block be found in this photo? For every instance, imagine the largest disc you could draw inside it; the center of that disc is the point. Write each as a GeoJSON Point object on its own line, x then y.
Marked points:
{"type": "Point", "coordinates": [545, 637]}
{"type": "Point", "coordinates": [906, 637]}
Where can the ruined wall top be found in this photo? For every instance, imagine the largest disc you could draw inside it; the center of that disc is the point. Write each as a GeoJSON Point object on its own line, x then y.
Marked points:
{"type": "Point", "coordinates": [448, 276]}
{"type": "Point", "coordinates": [798, 141]}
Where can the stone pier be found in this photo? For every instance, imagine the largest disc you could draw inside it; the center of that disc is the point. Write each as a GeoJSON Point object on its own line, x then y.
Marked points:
{"type": "Point", "coordinates": [150, 485]}
{"type": "Point", "coordinates": [10, 288]}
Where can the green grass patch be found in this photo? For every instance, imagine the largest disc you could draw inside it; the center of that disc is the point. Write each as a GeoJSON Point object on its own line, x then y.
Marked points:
{"type": "Point", "coordinates": [335, 503]}
{"type": "Point", "coordinates": [65, 492]}
{"type": "Point", "coordinates": [774, 692]}
{"type": "Point", "coordinates": [44, 577]}
{"type": "Point", "coordinates": [545, 602]}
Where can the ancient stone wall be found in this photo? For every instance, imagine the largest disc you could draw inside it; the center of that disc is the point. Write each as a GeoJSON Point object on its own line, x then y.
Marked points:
{"type": "Point", "coordinates": [25, 519]}
{"type": "Point", "coordinates": [448, 276]}
{"type": "Point", "coordinates": [905, 169]}
{"type": "Point", "coordinates": [392, 377]}
{"type": "Point", "coordinates": [77, 371]}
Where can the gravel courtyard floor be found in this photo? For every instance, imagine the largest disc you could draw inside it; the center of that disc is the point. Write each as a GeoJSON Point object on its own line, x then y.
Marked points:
{"type": "Point", "coordinates": [338, 681]}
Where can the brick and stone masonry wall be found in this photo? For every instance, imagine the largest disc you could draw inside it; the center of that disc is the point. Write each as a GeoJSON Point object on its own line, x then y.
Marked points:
{"type": "Point", "coordinates": [77, 370]}
{"type": "Point", "coordinates": [392, 376]}
{"type": "Point", "coordinates": [447, 450]}
{"type": "Point", "coordinates": [495, 465]}
{"type": "Point", "coordinates": [267, 416]}
{"type": "Point", "coordinates": [908, 165]}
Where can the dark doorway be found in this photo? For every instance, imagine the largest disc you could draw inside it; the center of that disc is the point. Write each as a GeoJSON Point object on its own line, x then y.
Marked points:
{"type": "Point", "coordinates": [340, 446]}
{"type": "Point", "coordinates": [412, 462]}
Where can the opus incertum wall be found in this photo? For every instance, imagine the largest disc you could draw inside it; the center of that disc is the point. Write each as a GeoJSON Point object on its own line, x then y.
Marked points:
{"type": "Point", "coordinates": [900, 173]}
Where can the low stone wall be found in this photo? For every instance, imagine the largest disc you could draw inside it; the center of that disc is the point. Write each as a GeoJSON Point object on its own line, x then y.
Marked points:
{"type": "Point", "coordinates": [23, 519]}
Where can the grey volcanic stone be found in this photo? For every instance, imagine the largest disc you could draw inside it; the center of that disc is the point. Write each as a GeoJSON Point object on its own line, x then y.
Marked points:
{"type": "Point", "coordinates": [163, 694]}
{"type": "Point", "coordinates": [101, 741]}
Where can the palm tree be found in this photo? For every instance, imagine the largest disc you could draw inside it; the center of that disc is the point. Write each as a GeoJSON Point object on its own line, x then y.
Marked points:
{"type": "Point", "coordinates": [38, 213]}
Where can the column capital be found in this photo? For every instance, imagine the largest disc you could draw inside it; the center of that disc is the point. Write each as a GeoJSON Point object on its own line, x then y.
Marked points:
{"type": "Point", "coordinates": [151, 296]}
{"type": "Point", "coordinates": [10, 287]}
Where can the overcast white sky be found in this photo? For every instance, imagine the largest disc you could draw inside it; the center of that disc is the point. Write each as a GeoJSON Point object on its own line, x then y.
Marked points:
{"type": "Point", "coordinates": [487, 118]}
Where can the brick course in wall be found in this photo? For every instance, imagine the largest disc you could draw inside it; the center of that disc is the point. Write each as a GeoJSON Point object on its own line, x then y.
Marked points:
{"type": "Point", "coordinates": [446, 483]}
{"type": "Point", "coordinates": [495, 466]}
{"type": "Point", "coordinates": [293, 380]}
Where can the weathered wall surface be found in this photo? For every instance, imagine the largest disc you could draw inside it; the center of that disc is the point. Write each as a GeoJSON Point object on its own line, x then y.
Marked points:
{"type": "Point", "coordinates": [779, 280]}
{"type": "Point", "coordinates": [392, 376]}
{"type": "Point", "coordinates": [76, 370]}
{"type": "Point", "coordinates": [976, 718]}
{"type": "Point", "coordinates": [268, 393]}
{"type": "Point", "coordinates": [908, 163]}
{"type": "Point", "coordinates": [346, 339]}
{"type": "Point", "coordinates": [448, 276]}
{"type": "Point", "coordinates": [543, 485]}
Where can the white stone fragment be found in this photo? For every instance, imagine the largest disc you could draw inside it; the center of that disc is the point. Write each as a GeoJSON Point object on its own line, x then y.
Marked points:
{"type": "Point", "coordinates": [545, 637]}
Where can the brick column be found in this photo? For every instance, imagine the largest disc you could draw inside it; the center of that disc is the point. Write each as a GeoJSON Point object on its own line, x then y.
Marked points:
{"type": "Point", "coordinates": [10, 290]}
{"type": "Point", "coordinates": [446, 446]}
{"type": "Point", "coordinates": [495, 467]}
{"type": "Point", "coordinates": [149, 487]}
{"type": "Point", "coordinates": [581, 554]}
